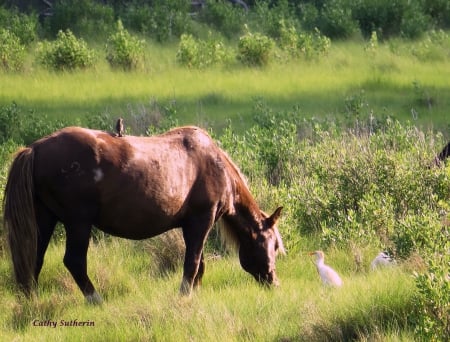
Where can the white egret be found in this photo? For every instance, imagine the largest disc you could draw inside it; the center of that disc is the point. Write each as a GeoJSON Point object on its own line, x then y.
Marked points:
{"type": "Point", "coordinates": [326, 273]}
{"type": "Point", "coordinates": [381, 260]}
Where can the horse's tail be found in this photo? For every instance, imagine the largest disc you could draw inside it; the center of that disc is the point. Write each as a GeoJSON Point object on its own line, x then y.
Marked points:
{"type": "Point", "coordinates": [19, 218]}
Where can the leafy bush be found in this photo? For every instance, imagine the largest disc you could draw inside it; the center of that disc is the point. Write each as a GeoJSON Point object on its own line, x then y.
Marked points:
{"type": "Point", "coordinates": [25, 127]}
{"type": "Point", "coordinates": [123, 50]}
{"type": "Point", "coordinates": [21, 25]}
{"type": "Point", "coordinates": [361, 186]}
{"type": "Point", "coordinates": [434, 46]}
{"type": "Point", "coordinates": [199, 53]}
{"type": "Point", "coordinates": [314, 45]}
{"type": "Point", "coordinates": [65, 53]}
{"type": "Point", "coordinates": [254, 49]}
{"type": "Point", "coordinates": [9, 122]}
{"type": "Point", "coordinates": [433, 302]}
{"type": "Point", "coordinates": [12, 52]}
{"type": "Point", "coordinates": [307, 45]}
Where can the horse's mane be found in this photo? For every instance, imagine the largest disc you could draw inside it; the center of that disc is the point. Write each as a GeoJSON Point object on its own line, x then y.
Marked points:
{"type": "Point", "coordinates": [227, 233]}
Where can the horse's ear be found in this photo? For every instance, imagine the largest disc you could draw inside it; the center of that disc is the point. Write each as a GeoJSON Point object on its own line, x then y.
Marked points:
{"type": "Point", "coordinates": [272, 220]}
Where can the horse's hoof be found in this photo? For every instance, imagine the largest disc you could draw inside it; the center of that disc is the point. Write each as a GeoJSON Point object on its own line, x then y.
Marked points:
{"type": "Point", "coordinates": [94, 299]}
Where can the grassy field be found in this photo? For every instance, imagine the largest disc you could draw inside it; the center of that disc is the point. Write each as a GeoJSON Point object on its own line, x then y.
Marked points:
{"type": "Point", "coordinates": [390, 80]}
{"type": "Point", "coordinates": [141, 305]}
{"type": "Point", "coordinates": [230, 306]}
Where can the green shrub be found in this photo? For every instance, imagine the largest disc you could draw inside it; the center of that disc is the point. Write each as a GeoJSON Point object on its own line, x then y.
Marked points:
{"type": "Point", "coordinates": [314, 45]}
{"type": "Point", "coordinates": [307, 45]}
{"type": "Point", "coordinates": [24, 127]}
{"type": "Point", "coordinates": [361, 186]}
{"type": "Point", "coordinates": [432, 304]}
{"type": "Point", "coordinates": [12, 52]}
{"type": "Point", "coordinates": [195, 53]}
{"type": "Point", "coordinates": [254, 49]}
{"type": "Point", "coordinates": [188, 51]}
{"type": "Point", "coordinates": [21, 25]}
{"type": "Point", "coordinates": [9, 122]}
{"type": "Point", "coordinates": [123, 50]}
{"type": "Point", "coordinates": [433, 47]}
{"type": "Point", "coordinates": [65, 53]}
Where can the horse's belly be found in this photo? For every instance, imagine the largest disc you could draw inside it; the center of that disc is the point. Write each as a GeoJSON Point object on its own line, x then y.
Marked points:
{"type": "Point", "coordinates": [133, 219]}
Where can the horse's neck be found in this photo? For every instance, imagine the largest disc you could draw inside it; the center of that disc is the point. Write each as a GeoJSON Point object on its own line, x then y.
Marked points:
{"type": "Point", "coordinates": [245, 218]}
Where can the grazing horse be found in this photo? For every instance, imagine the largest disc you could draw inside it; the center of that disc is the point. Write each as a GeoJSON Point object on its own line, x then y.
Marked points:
{"type": "Point", "coordinates": [134, 188]}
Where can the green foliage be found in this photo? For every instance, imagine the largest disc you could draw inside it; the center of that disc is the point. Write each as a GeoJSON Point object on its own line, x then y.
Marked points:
{"type": "Point", "coordinates": [314, 45]}
{"type": "Point", "coordinates": [123, 50]}
{"type": "Point", "coordinates": [266, 18]}
{"type": "Point", "coordinates": [254, 49]}
{"type": "Point", "coordinates": [340, 186]}
{"type": "Point", "coordinates": [306, 45]}
{"type": "Point", "coordinates": [162, 20]}
{"type": "Point", "coordinates": [334, 18]}
{"type": "Point", "coordinates": [432, 305]}
{"type": "Point", "coordinates": [12, 52]}
{"type": "Point", "coordinates": [21, 25]}
{"type": "Point", "coordinates": [434, 46]}
{"type": "Point", "coordinates": [360, 185]}
{"type": "Point", "coordinates": [433, 302]}
{"type": "Point", "coordinates": [67, 52]}
{"type": "Point", "coordinates": [414, 20]}
{"type": "Point", "coordinates": [372, 45]}
{"type": "Point", "coordinates": [383, 16]}
{"type": "Point", "coordinates": [439, 11]}
{"type": "Point", "coordinates": [196, 53]}
{"type": "Point", "coordinates": [225, 18]}
{"type": "Point", "coordinates": [24, 127]}
{"type": "Point", "coordinates": [83, 17]}
{"type": "Point", "coordinates": [9, 122]}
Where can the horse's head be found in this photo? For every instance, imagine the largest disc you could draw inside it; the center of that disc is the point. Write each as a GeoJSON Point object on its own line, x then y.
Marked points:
{"type": "Point", "coordinates": [257, 256]}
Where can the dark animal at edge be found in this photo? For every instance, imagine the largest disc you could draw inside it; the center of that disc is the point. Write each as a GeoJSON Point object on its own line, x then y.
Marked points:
{"type": "Point", "coordinates": [444, 154]}
{"type": "Point", "coordinates": [134, 188]}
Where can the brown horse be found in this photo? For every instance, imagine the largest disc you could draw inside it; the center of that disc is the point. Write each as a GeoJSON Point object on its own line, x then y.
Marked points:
{"type": "Point", "coordinates": [134, 188]}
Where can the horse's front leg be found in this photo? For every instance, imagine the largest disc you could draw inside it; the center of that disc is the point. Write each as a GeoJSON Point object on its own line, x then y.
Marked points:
{"type": "Point", "coordinates": [194, 237]}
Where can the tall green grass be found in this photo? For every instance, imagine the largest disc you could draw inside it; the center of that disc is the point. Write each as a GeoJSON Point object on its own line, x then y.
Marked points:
{"type": "Point", "coordinates": [392, 78]}
{"type": "Point", "coordinates": [230, 306]}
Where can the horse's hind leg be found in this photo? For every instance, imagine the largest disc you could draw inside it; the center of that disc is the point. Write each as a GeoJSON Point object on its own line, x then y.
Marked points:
{"type": "Point", "coordinates": [201, 270]}
{"type": "Point", "coordinates": [77, 244]}
{"type": "Point", "coordinates": [46, 222]}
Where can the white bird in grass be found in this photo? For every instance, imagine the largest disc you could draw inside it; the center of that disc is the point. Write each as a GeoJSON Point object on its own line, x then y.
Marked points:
{"type": "Point", "coordinates": [381, 260]}
{"type": "Point", "coordinates": [326, 273]}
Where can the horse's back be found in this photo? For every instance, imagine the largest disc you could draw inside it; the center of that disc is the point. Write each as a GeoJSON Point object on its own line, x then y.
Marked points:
{"type": "Point", "coordinates": [129, 181]}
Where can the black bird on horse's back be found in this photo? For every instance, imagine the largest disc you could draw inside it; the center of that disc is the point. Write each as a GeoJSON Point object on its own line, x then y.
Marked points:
{"type": "Point", "coordinates": [134, 188]}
